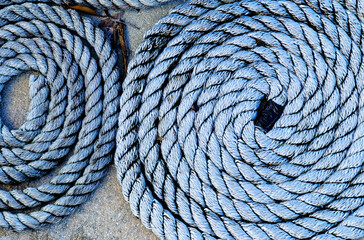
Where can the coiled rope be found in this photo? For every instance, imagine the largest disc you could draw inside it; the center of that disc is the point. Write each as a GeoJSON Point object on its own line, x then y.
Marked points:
{"type": "Point", "coordinates": [74, 90]}
{"type": "Point", "coordinates": [98, 4]}
{"type": "Point", "coordinates": [191, 157]}
{"type": "Point", "coordinates": [115, 4]}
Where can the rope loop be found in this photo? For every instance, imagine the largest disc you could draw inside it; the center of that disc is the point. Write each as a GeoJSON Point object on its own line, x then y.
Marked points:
{"type": "Point", "coordinates": [195, 159]}
{"type": "Point", "coordinates": [97, 4]}
{"type": "Point", "coordinates": [115, 4]}
{"type": "Point", "coordinates": [72, 117]}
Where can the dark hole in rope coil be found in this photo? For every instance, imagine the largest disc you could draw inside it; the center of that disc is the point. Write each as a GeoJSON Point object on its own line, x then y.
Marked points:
{"type": "Point", "coordinates": [268, 114]}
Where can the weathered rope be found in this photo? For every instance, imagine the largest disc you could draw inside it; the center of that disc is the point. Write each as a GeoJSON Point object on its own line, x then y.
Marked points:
{"type": "Point", "coordinates": [191, 157]}
{"type": "Point", "coordinates": [74, 89]}
{"type": "Point", "coordinates": [98, 4]}
{"type": "Point", "coordinates": [115, 4]}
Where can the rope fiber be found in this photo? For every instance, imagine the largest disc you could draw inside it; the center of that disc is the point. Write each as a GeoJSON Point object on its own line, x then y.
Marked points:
{"type": "Point", "coordinates": [98, 4]}
{"type": "Point", "coordinates": [72, 118]}
{"type": "Point", "coordinates": [115, 4]}
{"type": "Point", "coordinates": [192, 157]}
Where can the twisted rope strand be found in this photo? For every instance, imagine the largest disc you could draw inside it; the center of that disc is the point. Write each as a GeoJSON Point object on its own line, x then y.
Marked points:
{"type": "Point", "coordinates": [115, 4]}
{"type": "Point", "coordinates": [190, 159]}
{"type": "Point", "coordinates": [97, 4]}
{"type": "Point", "coordinates": [73, 110]}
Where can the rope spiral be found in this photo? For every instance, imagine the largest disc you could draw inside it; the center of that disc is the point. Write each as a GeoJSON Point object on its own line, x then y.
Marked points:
{"type": "Point", "coordinates": [72, 117]}
{"type": "Point", "coordinates": [98, 4]}
{"type": "Point", "coordinates": [191, 157]}
{"type": "Point", "coordinates": [115, 4]}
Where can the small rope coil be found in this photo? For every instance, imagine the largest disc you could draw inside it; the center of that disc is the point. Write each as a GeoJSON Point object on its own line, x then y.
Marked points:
{"type": "Point", "coordinates": [190, 158]}
{"type": "Point", "coordinates": [72, 117]}
{"type": "Point", "coordinates": [115, 4]}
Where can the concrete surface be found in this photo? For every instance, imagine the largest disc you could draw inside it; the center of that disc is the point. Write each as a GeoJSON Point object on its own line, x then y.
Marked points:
{"type": "Point", "coordinates": [106, 215]}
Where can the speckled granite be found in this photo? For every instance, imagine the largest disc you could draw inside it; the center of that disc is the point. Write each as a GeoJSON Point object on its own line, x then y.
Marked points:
{"type": "Point", "coordinates": [106, 215]}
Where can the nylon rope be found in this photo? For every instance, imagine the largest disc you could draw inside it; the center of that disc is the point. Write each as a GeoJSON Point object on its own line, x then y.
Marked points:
{"type": "Point", "coordinates": [191, 158]}
{"type": "Point", "coordinates": [72, 118]}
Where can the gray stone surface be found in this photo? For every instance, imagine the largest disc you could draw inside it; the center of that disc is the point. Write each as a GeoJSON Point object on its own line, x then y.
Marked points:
{"type": "Point", "coordinates": [106, 215]}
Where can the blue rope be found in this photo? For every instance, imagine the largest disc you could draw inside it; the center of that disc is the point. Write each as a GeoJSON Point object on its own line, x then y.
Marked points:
{"type": "Point", "coordinates": [115, 4]}
{"type": "Point", "coordinates": [98, 4]}
{"type": "Point", "coordinates": [73, 111]}
{"type": "Point", "coordinates": [191, 159]}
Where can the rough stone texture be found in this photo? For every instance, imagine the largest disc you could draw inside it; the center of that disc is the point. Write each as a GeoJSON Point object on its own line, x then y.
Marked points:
{"type": "Point", "coordinates": [106, 215]}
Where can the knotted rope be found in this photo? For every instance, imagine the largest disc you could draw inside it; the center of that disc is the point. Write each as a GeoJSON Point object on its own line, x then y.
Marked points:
{"type": "Point", "coordinates": [193, 156]}
{"type": "Point", "coordinates": [74, 89]}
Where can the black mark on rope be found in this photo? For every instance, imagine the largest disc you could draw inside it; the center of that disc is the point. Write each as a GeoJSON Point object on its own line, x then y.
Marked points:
{"type": "Point", "coordinates": [268, 114]}
{"type": "Point", "coordinates": [195, 107]}
{"type": "Point", "coordinates": [259, 42]}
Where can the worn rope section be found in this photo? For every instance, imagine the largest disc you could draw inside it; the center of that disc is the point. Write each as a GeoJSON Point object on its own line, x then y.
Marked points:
{"type": "Point", "coordinates": [192, 158]}
{"type": "Point", "coordinates": [72, 117]}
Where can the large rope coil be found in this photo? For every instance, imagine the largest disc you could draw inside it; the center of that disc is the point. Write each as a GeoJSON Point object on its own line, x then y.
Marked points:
{"type": "Point", "coordinates": [191, 157]}
{"type": "Point", "coordinates": [74, 90]}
